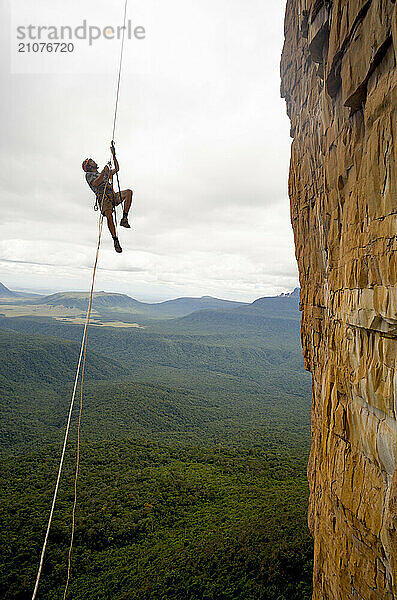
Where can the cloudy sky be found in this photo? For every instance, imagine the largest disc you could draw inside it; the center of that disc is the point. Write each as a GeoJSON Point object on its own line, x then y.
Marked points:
{"type": "Point", "coordinates": [202, 138]}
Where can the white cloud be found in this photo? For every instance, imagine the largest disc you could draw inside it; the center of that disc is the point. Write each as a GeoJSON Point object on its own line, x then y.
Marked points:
{"type": "Point", "coordinates": [203, 139]}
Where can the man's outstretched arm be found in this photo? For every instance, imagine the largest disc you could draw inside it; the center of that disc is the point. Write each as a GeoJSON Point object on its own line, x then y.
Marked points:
{"type": "Point", "coordinates": [116, 162]}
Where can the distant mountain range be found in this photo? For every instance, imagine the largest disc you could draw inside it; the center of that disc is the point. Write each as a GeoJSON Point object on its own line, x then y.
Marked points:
{"type": "Point", "coordinates": [105, 301]}
{"type": "Point", "coordinates": [273, 315]}
{"type": "Point", "coordinates": [212, 309]}
{"type": "Point", "coordinates": [6, 293]}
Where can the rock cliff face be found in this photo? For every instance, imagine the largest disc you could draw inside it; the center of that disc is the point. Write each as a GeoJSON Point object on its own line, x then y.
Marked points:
{"type": "Point", "coordinates": [339, 79]}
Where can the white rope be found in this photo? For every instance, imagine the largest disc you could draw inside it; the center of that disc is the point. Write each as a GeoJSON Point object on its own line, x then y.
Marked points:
{"type": "Point", "coordinates": [87, 322]}
{"type": "Point", "coordinates": [81, 410]}
{"type": "Point", "coordinates": [119, 75]}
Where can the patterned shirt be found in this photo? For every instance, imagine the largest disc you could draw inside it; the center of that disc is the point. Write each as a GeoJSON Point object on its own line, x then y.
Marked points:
{"type": "Point", "coordinates": [98, 189]}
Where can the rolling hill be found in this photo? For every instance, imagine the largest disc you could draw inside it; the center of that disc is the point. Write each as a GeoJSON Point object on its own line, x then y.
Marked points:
{"type": "Point", "coordinates": [36, 378]}
{"type": "Point", "coordinates": [105, 302]}
{"type": "Point", "coordinates": [240, 369]}
{"type": "Point", "coordinates": [183, 306]}
{"type": "Point", "coordinates": [275, 306]}
{"type": "Point", "coordinates": [276, 317]}
{"type": "Point", "coordinates": [42, 359]}
{"type": "Point", "coordinates": [102, 300]}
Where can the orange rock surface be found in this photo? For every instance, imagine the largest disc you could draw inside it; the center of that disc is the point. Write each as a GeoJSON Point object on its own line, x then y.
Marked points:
{"type": "Point", "coordinates": [339, 80]}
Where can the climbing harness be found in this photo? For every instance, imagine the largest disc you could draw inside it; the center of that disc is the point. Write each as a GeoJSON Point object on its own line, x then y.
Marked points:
{"type": "Point", "coordinates": [80, 369]}
{"type": "Point", "coordinates": [109, 193]}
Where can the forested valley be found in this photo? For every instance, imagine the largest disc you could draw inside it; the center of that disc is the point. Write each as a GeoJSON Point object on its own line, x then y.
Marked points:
{"type": "Point", "coordinates": [194, 446]}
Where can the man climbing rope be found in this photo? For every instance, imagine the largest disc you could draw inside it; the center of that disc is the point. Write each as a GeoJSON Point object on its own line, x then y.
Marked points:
{"type": "Point", "coordinates": [101, 184]}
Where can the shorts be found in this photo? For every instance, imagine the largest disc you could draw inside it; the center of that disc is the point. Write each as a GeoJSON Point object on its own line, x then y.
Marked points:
{"type": "Point", "coordinates": [110, 200]}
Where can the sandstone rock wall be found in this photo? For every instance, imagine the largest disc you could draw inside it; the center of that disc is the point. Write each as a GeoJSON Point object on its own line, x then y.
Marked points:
{"type": "Point", "coordinates": [339, 80]}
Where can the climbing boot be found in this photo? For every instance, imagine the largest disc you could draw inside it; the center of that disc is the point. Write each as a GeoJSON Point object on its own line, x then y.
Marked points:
{"type": "Point", "coordinates": [117, 246]}
{"type": "Point", "coordinates": [124, 222]}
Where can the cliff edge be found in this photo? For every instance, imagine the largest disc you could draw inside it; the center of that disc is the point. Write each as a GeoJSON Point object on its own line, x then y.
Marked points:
{"type": "Point", "coordinates": [339, 80]}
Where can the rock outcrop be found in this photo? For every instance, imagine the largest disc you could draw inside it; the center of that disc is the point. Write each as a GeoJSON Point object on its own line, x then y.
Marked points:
{"type": "Point", "coordinates": [339, 80]}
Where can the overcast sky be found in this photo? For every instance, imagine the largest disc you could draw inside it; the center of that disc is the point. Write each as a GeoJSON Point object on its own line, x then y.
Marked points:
{"type": "Point", "coordinates": [202, 139]}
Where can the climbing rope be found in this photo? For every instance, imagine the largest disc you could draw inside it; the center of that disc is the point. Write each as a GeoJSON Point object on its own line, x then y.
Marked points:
{"type": "Point", "coordinates": [76, 473]}
{"type": "Point", "coordinates": [119, 75]}
{"type": "Point", "coordinates": [88, 317]}
{"type": "Point", "coordinates": [65, 440]}
{"type": "Point", "coordinates": [117, 99]}
{"type": "Point", "coordinates": [80, 369]}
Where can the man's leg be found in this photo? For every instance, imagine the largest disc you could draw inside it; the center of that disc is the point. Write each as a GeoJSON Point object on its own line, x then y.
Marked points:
{"type": "Point", "coordinates": [127, 199]}
{"type": "Point", "coordinates": [112, 229]}
{"type": "Point", "coordinates": [109, 218]}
